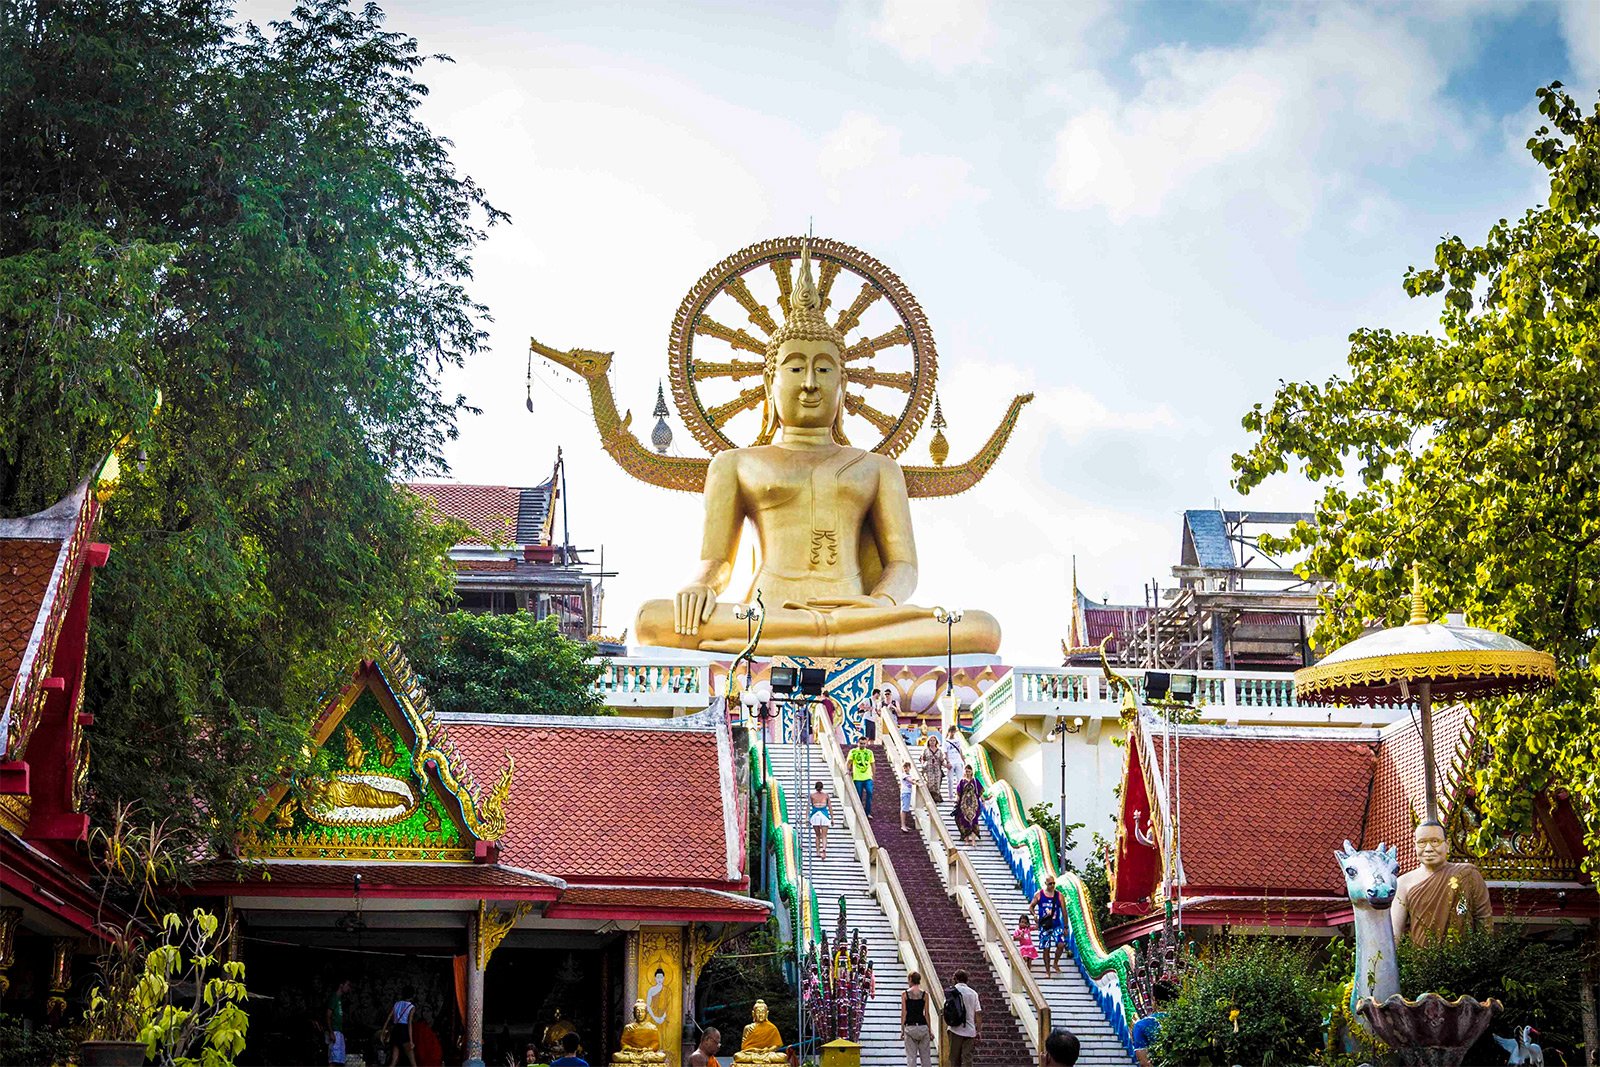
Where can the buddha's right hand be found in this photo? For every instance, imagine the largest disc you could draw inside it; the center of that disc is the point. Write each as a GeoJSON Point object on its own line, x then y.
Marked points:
{"type": "Point", "coordinates": [692, 606]}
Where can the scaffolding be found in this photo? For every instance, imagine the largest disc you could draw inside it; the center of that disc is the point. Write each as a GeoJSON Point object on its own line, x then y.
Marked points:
{"type": "Point", "coordinates": [1234, 606]}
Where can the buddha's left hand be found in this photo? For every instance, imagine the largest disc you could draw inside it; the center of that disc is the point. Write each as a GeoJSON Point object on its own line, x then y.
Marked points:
{"type": "Point", "coordinates": [832, 603]}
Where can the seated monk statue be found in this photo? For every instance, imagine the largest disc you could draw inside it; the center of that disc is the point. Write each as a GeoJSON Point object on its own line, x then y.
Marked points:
{"type": "Point", "coordinates": [641, 1041]}
{"type": "Point", "coordinates": [838, 560]}
{"type": "Point", "coordinates": [1438, 898]}
{"type": "Point", "coordinates": [762, 1043]}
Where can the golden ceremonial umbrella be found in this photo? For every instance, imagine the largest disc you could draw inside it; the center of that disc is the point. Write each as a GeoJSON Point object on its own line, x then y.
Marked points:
{"type": "Point", "coordinates": [1420, 662]}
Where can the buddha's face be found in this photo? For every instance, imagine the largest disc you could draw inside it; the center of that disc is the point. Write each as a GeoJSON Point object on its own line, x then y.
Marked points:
{"type": "Point", "coordinates": [1431, 849]}
{"type": "Point", "coordinates": [760, 1014]}
{"type": "Point", "coordinates": [638, 1011]}
{"type": "Point", "coordinates": [808, 383]}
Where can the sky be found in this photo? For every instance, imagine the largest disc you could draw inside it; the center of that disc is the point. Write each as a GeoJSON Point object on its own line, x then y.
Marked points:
{"type": "Point", "coordinates": [1145, 214]}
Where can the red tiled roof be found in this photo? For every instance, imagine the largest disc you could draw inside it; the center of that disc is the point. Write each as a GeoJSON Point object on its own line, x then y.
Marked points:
{"type": "Point", "coordinates": [490, 510]}
{"type": "Point", "coordinates": [1265, 815]}
{"type": "Point", "coordinates": [606, 803]}
{"type": "Point", "coordinates": [1399, 784]}
{"type": "Point", "coordinates": [25, 569]}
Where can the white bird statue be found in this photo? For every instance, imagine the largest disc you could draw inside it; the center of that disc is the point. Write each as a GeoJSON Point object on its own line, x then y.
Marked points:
{"type": "Point", "coordinates": [1520, 1047]}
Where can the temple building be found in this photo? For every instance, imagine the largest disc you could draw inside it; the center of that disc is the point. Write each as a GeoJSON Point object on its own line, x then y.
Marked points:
{"type": "Point", "coordinates": [49, 913]}
{"type": "Point", "coordinates": [522, 875]}
{"type": "Point", "coordinates": [1236, 827]}
{"type": "Point", "coordinates": [513, 558]}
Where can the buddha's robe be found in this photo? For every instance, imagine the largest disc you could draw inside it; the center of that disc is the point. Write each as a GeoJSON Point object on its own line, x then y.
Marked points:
{"type": "Point", "coordinates": [1451, 900]}
{"type": "Point", "coordinates": [641, 1037]}
{"type": "Point", "coordinates": [760, 1037]}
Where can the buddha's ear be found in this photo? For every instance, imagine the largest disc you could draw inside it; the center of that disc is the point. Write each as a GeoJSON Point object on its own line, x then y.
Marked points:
{"type": "Point", "coordinates": [769, 412]}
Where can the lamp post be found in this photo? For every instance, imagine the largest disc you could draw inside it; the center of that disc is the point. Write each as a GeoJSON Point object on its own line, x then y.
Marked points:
{"type": "Point", "coordinates": [1059, 732]}
{"type": "Point", "coordinates": [950, 618]}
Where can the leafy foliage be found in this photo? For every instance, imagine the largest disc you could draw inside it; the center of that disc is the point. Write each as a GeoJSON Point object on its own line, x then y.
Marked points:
{"type": "Point", "coordinates": [238, 253]}
{"type": "Point", "coordinates": [746, 969]}
{"type": "Point", "coordinates": [1476, 453]}
{"type": "Point", "coordinates": [24, 1041]}
{"type": "Point", "coordinates": [510, 663]}
{"type": "Point", "coordinates": [1244, 1000]}
{"type": "Point", "coordinates": [1536, 981]}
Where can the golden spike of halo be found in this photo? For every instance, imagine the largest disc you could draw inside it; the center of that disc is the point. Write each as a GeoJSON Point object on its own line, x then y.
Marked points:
{"type": "Point", "coordinates": [1419, 610]}
{"type": "Point", "coordinates": [754, 308]}
{"type": "Point", "coordinates": [857, 406]}
{"type": "Point", "coordinates": [737, 338]}
{"type": "Point", "coordinates": [830, 271]}
{"type": "Point", "coordinates": [871, 346]}
{"type": "Point", "coordinates": [700, 370]}
{"type": "Point", "coordinates": [780, 271]}
{"type": "Point", "coordinates": [893, 379]}
{"type": "Point", "coordinates": [852, 314]}
{"type": "Point", "coordinates": [745, 401]}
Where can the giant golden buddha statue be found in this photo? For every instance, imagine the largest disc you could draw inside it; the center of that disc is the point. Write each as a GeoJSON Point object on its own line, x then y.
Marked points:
{"type": "Point", "coordinates": [762, 1043]}
{"type": "Point", "coordinates": [838, 558]}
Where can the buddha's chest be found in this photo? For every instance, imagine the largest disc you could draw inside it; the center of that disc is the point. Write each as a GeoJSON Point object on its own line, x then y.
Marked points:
{"type": "Point", "coordinates": [827, 493]}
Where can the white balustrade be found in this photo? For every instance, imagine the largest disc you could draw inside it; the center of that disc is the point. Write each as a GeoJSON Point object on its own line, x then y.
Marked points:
{"type": "Point", "coordinates": [640, 682]}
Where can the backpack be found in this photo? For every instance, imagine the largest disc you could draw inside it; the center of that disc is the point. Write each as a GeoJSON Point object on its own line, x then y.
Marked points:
{"type": "Point", "coordinates": [955, 1007]}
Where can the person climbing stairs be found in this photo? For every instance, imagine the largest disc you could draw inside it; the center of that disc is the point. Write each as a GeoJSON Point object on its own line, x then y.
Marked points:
{"type": "Point", "coordinates": [841, 876]}
{"type": "Point", "coordinates": [950, 939]}
{"type": "Point", "coordinates": [1072, 1003]}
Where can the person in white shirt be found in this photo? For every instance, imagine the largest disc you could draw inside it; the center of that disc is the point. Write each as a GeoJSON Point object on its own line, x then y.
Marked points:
{"type": "Point", "coordinates": [964, 1036]}
{"type": "Point", "coordinates": [955, 762]}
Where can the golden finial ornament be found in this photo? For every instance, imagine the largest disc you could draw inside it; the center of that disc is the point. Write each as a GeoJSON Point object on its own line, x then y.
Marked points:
{"type": "Point", "coordinates": [938, 448]}
{"type": "Point", "coordinates": [1419, 611]}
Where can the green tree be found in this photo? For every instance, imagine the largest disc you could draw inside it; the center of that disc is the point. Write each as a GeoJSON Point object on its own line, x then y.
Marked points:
{"type": "Point", "coordinates": [505, 663]}
{"type": "Point", "coordinates": [1475, 452]}
{"type": "Point", "coordinates": [237, 251]}
{"type": "Point", "coordinates": [1244, 1000]}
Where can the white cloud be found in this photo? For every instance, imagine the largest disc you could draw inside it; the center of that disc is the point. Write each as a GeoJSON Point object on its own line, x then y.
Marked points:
{"type": "Point", "coordinates": [944, 34]}
{"type": "Point", "coordinates": [862, 162]}
{"type": "Point", "coordinates": [1288, 119]}
{"type": "Point", "coordinates": [1580, 25]}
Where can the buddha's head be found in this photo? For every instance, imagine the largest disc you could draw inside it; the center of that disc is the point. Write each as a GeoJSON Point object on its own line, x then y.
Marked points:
{"type": "Point", "coordinates": [805, 364]}
{"type": "Point", "coordinates": [759, 1012]}
{"type": "Point", "coordinates": [1431, 848]}
{"type": "Point", "coordinates": [638, 1011]}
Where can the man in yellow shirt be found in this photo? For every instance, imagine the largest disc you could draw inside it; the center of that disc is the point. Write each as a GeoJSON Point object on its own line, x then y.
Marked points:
{"type": "Point", "coordinates": [861, 760]}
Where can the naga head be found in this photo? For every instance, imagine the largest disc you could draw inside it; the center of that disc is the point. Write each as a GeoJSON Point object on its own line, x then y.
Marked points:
{"type": "Point", "coordinates": [1370, 876]}
{"type": "Point", "coordinates": [587, 364]}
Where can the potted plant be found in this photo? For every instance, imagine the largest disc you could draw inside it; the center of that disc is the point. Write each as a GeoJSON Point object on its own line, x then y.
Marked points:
{"type": "Point", "coordinates": [135, 1012]}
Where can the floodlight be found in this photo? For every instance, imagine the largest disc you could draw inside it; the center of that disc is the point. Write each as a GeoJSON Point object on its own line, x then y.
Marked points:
{"type": "Point", "coordinates": [811, 681]}
{"type": "Point", "coordinates": [784, 679]}
{"type": "Point", "coordinates": [1182, 688]}
{"type": "Point", "coordinates": [1156, 684]}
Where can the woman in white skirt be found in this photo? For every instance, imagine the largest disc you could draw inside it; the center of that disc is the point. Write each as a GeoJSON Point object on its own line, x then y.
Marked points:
{"type": "Point", "coordinates": [821, 818]}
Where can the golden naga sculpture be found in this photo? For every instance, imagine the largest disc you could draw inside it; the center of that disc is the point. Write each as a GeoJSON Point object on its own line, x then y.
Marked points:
{"type": "Point", "coordinates": [641, 1041]}
{"type": "Point", "coordinates": [762, 1044]}
{"type": "Point", "coordinates": [839, 559]}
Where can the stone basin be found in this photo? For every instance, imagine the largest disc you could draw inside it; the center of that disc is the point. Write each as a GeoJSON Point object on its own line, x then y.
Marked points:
{"type": "Point", "coordinates": [1429, 1031]}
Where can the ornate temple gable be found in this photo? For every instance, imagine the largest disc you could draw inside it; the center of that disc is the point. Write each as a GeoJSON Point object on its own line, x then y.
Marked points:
{"type": "Point", "coordinates": [44, 620]}
{"type": "Point", "coordinates": [397, 789]}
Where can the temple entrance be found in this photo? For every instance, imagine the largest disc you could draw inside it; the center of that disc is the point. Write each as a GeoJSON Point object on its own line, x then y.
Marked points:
{"type": "Point", "coordinates": [533, 993]}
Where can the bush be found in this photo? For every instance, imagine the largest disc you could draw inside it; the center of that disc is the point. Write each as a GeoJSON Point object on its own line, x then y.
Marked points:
{"type": "Point", "coordinates": [25, 1042]}
{"type": "Point", "coordinates": [1536, 981]}
{"type": "Point", "coordinates": [1247, 1000]}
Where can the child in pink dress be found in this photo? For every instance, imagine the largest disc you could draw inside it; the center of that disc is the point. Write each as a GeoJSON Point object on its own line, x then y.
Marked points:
{"type": "Point", "coordinates": [1023, 936]}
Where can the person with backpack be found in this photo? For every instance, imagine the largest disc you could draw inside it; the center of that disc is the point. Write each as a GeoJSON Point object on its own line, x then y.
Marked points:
{"type": "Point", "coordinates": [963, 1018]}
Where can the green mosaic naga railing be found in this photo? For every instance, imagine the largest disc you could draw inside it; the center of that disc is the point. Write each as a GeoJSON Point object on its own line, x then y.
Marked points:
{"type": "Point", "coordinates": [778, 834]}
{"type": "Point", "coordinates": [1032, 859]}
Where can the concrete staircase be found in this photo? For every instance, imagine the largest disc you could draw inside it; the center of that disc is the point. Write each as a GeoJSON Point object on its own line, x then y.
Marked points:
{"type": "Point", "coordinates": [842, 875]}
{"type": "Point", "coordinates": [1072, 1004]}
{"type": "Point", "coordinates": [951, 940]}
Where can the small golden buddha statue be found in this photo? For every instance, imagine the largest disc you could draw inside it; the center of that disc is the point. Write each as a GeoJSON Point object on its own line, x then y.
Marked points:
{"type": "Point", "coordinates": [838, 559]}
{"type": "Point", "coordinates": [762, 1043]}
{"type": "Point", "coordinates": [641, 1041]}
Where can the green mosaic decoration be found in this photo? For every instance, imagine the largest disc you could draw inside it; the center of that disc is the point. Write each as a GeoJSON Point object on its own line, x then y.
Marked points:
{"type": "Point", "coordinates": [365, 748]}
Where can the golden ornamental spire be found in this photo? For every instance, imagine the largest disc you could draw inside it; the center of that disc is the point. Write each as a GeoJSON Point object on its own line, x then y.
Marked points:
{"type": "Point", "coordinates": [939, 447]}
{"type": "Point", "coordinates": [1419, 611]}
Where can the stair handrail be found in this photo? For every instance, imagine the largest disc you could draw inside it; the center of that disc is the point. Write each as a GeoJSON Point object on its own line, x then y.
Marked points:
{"type": "Point", "coordinates": [881, 875]}
{"type": "Point", "coordinates": [1028, 1002]}
{"type": "Point", "coordinates": [791, 888]}
{"type": "Point", "coordinates": [1095, 962]}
